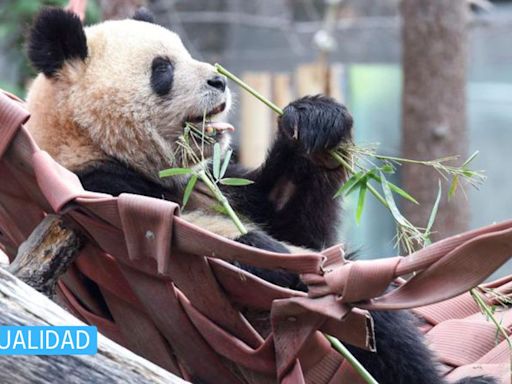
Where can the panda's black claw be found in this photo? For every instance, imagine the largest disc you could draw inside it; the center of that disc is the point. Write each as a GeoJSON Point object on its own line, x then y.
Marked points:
{"type": "Point", "coordinates": [318, 123]}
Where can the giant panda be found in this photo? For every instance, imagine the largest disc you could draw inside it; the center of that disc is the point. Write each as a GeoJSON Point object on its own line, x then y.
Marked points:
{"type": "Point", "coordinates": [109, 104]}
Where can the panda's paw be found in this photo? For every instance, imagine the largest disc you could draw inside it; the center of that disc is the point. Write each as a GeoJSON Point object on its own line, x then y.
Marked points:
{"type": "Point", "coordinates": [316, 123]}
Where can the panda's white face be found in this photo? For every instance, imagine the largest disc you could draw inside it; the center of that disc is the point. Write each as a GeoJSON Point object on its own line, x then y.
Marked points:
{"type": "Point", "coordinates": [140, 75]}
{"type": "Point", "coordinates": [134, 92]}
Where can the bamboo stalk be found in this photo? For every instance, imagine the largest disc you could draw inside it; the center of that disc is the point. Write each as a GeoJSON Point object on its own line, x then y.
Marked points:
{"type": "Point", "coordinates": [338, 346]}
{"type": "Point", "coordinates": [252, 91]}
{"type": "Point", "coordinates": [222, 200]}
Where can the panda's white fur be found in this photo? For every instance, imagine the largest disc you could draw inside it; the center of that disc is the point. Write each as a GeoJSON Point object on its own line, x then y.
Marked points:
{"type": "Point", "coordinates": [104, 104]}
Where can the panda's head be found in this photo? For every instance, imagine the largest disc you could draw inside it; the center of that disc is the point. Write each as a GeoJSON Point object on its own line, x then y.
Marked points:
{"type": "Point", "coordinates": [121, 89]}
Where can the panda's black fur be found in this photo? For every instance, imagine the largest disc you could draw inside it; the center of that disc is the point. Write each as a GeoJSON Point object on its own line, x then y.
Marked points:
{"type": "Point", "coordinates": [51, 44]}
{"type": "Point", "coordinates": [291, 198]}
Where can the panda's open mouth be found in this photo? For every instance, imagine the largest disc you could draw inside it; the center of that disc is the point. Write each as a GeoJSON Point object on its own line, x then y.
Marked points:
{"type": "Point", "coordinates": [210, 124]}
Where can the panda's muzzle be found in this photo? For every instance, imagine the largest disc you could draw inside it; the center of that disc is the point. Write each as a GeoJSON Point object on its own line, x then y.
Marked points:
{"type": "Point", "coordinates": [211, 126]}
{"type": "Point", "coordinates": [209, 114]}
{"type": "Point", "coordinates": [217, 110]}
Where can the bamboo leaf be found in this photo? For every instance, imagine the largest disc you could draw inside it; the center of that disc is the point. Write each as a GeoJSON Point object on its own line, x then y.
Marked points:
{"type": "Point", "coordinates": [388, 195]}
{"type": "Point", "coordinates": [360, 201]}
{"type": "Point", "coordinates": [174, 172]}
{"type": "Point", "coordinates": [402, 193]}
{"type": "Point", "coordinates": [349, 184]}
{"type": "Point", "coordinates": [469, 173]}
{"type": "Point", "coordinates": [387, 168]}
{"type": "Point", "coordinates": [470, 158]}
{"type": "Point", "coordinates": [433, 214]}
{"type": "Point", "coordinates": [236, 182]}
{"type": "Point", "coordinates": [359, 180]}
{"type": "Point", "coordinates": [225, 164]}
{"type": "Point", "coordinates": [216, 161]}
{"type": "Point", "coordinates": [219, 208]}
{"type": "Point", "coordinates": [453, 186]}
{"type": "Point", "coordinates": [395, 188]}
{"type": "Point", "coordinates": [188, 189]}
{"type": "Point", "coordinates": [356, 182]}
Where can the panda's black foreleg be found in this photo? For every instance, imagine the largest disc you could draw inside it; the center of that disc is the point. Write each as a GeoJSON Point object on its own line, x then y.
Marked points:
{"type": "Point", "coordinates": [292, 197]}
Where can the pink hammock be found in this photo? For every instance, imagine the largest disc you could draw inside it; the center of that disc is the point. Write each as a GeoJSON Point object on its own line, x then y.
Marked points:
{"type": "Point", "coordinates": [174, 298]}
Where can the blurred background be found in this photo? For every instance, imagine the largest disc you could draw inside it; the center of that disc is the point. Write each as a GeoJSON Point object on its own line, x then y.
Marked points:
{"type": "Point", "coordinates": [454, 58]}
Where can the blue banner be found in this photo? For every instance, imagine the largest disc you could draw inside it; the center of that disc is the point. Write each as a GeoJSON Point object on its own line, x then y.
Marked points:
{"type": "Point", "coordinates": [48, 340]}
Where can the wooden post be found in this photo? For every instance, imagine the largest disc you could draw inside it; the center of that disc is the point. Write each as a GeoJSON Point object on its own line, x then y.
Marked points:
{"type": "Point", "coordinates": [336, 77]}
{"type": "Point", "coordinates": [313, 79]}
{"type": "Point", "coordinates": [433, 105]}
{"type": "Point", "coordinates": [310, 79]}
{"type": "Point", "coordinates": [283, 94]}
{"type": "Point", "coordinates": [257, 121]}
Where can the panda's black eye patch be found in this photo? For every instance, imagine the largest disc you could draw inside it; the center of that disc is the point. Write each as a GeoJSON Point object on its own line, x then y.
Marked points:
{"type": "Point", "coordinates": [162, 75]}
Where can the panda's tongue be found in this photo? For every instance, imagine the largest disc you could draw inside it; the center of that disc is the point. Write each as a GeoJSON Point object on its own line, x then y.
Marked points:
{"type": "Point", "coordinates": [221, 127]}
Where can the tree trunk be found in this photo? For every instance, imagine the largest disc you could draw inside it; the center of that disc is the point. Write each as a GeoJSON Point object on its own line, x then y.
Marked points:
{"type": "Point", "coordinates": [433, 106]}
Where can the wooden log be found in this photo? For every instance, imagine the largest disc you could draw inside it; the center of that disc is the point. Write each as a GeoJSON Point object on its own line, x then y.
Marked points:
{"type": "Point", "coordinates": [22, 305]}
{"type": "Point", "coordinates": [282, 89]}
{"type": "Point", "coordinates": [47, 254]}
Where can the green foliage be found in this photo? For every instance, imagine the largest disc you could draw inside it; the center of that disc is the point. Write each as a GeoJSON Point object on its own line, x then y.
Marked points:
{"type": "Point", "coordinates": [199, 170]}
{"type": "Point", "coordinates": [433, 214]}
{"type": "Point", "coordinates": [388, 195]}
{"type": "Point", "coordinates": [364, 164]}
{"type": "Point", "coordinates": [489, 310]}
{"type": "Point", "coordinates": [175, 172]}
{"type": "Point", "coordinates": [360, 202]}
{"type": "Point", "coordinates": [225, 164]}
{"type": "Point", "coordinates": [345, 352]}
{"type": "Point", "coordinates": [235, 182]}
{"type": "Point", "coordinates": [188, 189]}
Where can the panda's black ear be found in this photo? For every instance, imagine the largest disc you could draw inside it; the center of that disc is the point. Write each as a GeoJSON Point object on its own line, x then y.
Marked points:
{"type": "Point", "coordinates": [144, 14]}
{"type": "Point", "coordinates": [55, 37]}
